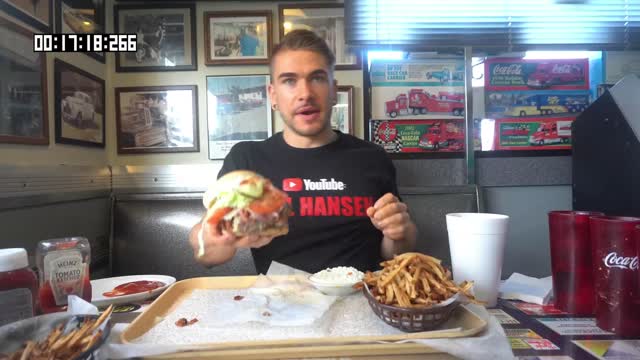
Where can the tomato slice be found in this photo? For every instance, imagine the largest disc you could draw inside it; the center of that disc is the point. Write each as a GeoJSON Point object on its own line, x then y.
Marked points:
{"type": "Point", "coordinates": [271, 201]}
{"type": "Point", "coordinates": [216, 215]}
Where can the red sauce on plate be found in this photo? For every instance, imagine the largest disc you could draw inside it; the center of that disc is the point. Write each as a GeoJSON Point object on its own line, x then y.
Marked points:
{"type": "Point", "coordinates": [133, 287]}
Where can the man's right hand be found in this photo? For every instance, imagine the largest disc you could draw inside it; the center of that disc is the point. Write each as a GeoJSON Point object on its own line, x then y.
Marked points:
{"type": "Point", "coordinates": [219, 247]}
{"type": "Point", "coordinates": [213, 237]}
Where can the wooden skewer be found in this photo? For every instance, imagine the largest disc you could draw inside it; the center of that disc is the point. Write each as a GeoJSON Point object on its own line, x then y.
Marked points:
{"type": "Point", "coordinates": [102, 318]}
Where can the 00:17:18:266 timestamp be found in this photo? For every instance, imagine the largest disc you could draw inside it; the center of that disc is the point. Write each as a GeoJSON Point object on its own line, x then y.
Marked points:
{"type": "Point", "coordinates": [84, 42]}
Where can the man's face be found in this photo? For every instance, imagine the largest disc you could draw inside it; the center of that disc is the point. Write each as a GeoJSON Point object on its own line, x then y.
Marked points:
{"type": "Point", "coordinates": [304, 90]}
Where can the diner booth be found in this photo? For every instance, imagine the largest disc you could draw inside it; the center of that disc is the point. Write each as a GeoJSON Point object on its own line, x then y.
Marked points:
{"type": "Point", "coordinates": [130, 176]}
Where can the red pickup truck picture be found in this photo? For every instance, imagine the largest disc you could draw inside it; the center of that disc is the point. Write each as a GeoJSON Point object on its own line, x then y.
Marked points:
{"type": "Point", "coordinates": [421, 102]}
{"type": "Point", "coordinates": [442, 136]}
{"type": "Point", "coordinates": [547, 75]}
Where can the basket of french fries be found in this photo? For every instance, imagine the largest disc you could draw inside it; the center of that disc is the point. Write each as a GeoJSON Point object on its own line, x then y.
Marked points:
{"type": "Point", "coordinates": [414, 292]}
{"type": "Point", "coordinates": [55, 337]}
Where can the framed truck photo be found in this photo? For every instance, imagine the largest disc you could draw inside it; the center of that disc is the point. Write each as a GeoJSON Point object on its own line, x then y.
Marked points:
{"type": "Point", "coordinates": [157, 119]}
{"type": "Point", "coordinates": [79, 106]}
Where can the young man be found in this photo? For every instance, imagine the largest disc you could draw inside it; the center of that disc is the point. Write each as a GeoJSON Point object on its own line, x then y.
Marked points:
{"type": "Point", "coordinates": [343, 190]}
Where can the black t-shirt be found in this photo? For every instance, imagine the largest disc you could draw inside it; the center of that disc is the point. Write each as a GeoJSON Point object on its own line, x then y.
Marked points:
{"type": "Point", "coordinates": [330, 189]}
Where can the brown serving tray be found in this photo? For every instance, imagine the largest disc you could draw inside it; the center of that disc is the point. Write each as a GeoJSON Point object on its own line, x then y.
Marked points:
{"type": "Point", "coordinates": [463, 323]}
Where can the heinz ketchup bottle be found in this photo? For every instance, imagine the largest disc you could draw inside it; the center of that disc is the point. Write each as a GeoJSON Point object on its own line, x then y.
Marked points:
{"type": "Point", "coordinates": [63, 268]}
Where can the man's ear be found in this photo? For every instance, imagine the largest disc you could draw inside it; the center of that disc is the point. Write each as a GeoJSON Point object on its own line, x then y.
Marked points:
{"type": "Point", "coordinates": [273, 98]}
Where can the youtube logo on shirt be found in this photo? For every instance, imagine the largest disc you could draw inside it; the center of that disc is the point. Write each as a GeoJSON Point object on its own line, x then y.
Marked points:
{"type": "Point", "coordinates": [292, 184]}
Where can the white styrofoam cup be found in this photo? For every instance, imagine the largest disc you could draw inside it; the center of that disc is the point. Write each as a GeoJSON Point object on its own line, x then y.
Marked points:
{"type": "Point", "coordinates": [476, 242]}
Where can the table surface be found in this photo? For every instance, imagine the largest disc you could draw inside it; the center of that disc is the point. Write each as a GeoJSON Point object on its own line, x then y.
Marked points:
{"type": "Point", "coordinates": [527, 330]}
{"type": "Point", "coordinates": [524, 325]}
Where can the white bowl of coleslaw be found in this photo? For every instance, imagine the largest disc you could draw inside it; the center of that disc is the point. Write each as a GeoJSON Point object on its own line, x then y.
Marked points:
{"type": "Point", "coordinates": [336, 281]}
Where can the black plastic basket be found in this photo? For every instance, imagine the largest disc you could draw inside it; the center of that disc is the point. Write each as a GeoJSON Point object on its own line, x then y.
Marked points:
{"type": "Point", "coordinates": [411, 319]}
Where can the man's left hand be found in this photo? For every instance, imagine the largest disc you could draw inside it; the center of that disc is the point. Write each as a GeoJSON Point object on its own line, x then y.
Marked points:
{"type": "Point", "coordinates": [390, 216]}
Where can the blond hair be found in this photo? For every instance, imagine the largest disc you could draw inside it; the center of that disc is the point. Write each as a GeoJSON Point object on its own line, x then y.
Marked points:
{"type": "Point", "coordinates": [304, 40]}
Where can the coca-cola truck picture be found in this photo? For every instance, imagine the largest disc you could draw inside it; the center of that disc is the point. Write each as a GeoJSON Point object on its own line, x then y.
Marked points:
{"type": "Point", "coordinates": [421, 102]}
{"type": "Point", "coordinates": [510, 74]}
{"type": "Point", "coordinates": [552, 132]}
{"type": "Point", "coordinates": [442, 136]}
{"type": "Point", "coordinates": [550, 74]}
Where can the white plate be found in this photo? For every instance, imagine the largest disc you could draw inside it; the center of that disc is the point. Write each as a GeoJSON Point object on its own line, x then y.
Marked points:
{"type": "Point", "coordinates": [100, 286]}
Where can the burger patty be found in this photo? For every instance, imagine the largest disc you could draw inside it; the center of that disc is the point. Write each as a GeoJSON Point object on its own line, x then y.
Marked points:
{"type": "Point", "coordinates": [245, 221]}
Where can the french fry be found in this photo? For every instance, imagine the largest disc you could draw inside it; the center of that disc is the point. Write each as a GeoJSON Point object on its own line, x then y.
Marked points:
{"type": "Point", "coordinates": [396, 271]}
{"type": "Point", "coordinates": [79, 333]}
{"type": "Point", "coordinates": [389, 294]}
{"type": "Point", "coordinates": [62, 341]}
{"type": "Point", "coordinates": [53, 336]}
{"type": "Point", "coordinates": [93, 341]}
{"type": "Point", "coordinates": [27, 350]}
{"type": "Point", "coordinates": [436, 270]}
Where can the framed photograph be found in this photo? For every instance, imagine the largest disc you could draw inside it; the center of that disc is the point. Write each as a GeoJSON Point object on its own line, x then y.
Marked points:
{"type": "Point", "coordinates": [157, 119]}
{"type": "Point", "coordinates": [23, 85]}
{"type": "Point", "coordinates": [342, 113]}
{"type": "Point", "coordinates": [36, 13]}
{"type": "Point", "coordinates": [79, 106]}
{"type": "Point", "coordinates": [238, 109]}
{"type": "Point", "coordinates": [326, 20]}
{"type": "Point", "coordinates": [81, 17]}
{"type": "Point", "coordinates": [166, 37]}
{"type": "Point", "coordinates": [237, 37]}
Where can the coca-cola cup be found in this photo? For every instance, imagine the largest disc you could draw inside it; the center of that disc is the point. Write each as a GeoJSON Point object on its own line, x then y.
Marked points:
{"type": "Point", "coordinates": [637, 240]}
{"type": "Point", "coordinates": [571, 266]}
{"type": "Point", "coordinates": [615, 259]}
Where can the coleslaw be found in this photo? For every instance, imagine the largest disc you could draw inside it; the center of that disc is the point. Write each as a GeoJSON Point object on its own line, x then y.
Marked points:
{"type": "Point", "coordinates": [338, 275]}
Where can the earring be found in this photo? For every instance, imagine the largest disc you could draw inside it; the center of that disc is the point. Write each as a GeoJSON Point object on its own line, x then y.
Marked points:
{"type": "Point", "coordinates": [274, 107]}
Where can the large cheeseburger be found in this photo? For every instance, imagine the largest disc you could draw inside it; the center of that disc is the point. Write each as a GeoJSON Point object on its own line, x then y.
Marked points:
{"type": "Point", "coordinates": [244, 203]}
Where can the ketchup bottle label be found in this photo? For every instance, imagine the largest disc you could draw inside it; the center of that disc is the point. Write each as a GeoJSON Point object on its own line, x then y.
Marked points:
{"type": "Point", "coordinates": [16, 305]}
{"type": "Point", "coordinates": [65, 271]}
